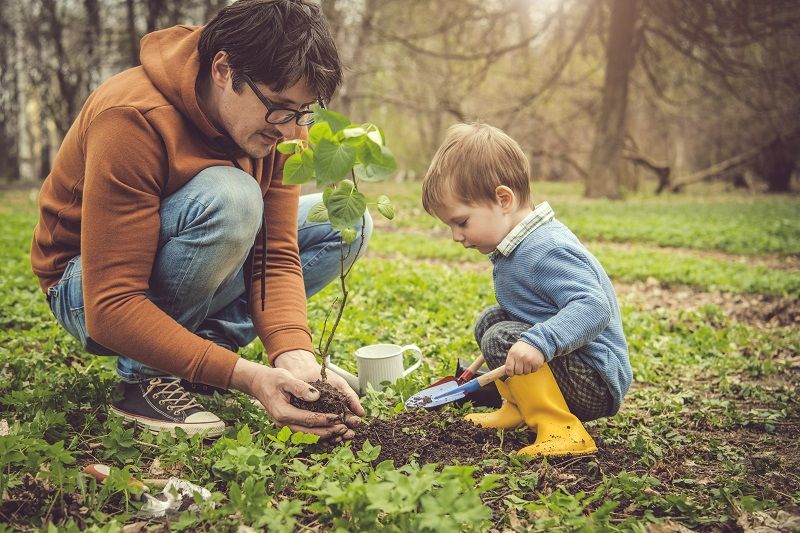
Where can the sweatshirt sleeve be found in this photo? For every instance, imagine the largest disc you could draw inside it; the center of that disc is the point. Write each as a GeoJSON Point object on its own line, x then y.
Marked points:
{"type": "Point", "coordinates": [119, 240]}
{"type": "Point", "coordinates": [282, 325]}
{"type": "Point", "coordinates": [567, 279]}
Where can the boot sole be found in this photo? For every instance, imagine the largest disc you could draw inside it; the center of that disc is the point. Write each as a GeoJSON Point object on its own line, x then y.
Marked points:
{"type": "Point", "coordinates": [211, 430]}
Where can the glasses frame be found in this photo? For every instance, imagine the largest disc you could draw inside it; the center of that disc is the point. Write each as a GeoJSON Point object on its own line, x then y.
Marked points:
{"type": "Point", "coordinates": [294, 114]}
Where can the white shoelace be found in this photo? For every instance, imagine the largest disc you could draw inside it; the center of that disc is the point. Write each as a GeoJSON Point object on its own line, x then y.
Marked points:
{"type": "Point", "coordinates": [171, 393]}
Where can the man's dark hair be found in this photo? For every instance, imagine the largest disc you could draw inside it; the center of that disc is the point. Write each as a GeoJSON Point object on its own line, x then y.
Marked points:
{"type": "Point", "coordinates": [275, 42]}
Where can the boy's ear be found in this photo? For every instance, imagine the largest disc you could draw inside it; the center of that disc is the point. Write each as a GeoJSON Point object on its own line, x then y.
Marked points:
{"type": "Point", "coordinates": [506, 198]}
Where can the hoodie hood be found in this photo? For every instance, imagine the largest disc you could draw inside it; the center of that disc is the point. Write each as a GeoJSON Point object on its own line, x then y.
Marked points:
{"type": "Point", "coordinates": [171, 61]}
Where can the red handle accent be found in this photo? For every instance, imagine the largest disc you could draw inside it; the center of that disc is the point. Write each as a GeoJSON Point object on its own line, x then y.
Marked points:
{"type": "Point", "coordinates": [469, 373]}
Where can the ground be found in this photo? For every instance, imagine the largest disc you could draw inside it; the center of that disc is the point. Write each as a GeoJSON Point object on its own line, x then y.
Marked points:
{"type": "Point", "coordinates": [708, 438]}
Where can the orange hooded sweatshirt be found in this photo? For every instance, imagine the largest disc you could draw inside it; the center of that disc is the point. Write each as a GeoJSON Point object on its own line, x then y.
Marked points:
{"type": "Point", "coordinates": [140, 137]}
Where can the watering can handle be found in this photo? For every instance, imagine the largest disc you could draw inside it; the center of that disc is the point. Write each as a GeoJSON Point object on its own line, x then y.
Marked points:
{"type": "Point", "coordinates": [348, 377]}
{"type": "Point", "coordinates": [414, 348]}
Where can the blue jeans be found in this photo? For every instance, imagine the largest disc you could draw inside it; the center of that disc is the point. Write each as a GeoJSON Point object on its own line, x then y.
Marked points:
{"type": "Point", "coordinates": [207, 229]}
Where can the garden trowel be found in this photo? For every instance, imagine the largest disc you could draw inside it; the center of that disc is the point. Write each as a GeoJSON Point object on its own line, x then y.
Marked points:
{"type": "Point", "coordinates": [465, 376]}
{"type": "Point", "coordinates": [452, 391]}
{"type": "Point", "coordinates": [177, 496]}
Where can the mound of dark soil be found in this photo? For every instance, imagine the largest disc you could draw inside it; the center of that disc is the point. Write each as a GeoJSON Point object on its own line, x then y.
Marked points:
{"type": "Point", "coordinates": [330, 400]}
{"type": "Point", "coordinates": [434, 437]}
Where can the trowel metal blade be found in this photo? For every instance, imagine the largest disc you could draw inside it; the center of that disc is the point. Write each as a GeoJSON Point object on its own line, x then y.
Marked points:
{"type": "Point", "coordinates": [435, 396]}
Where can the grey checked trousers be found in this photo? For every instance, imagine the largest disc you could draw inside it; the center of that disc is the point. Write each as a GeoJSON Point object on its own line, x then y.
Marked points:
{"type": "Point", "coordinates": [584, 389]}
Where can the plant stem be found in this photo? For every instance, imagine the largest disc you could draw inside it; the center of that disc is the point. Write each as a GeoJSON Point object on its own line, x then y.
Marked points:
{"type": "Point", "coordinates": [323, 353]}
{"type": "Point", "coordinates": [342, 277]}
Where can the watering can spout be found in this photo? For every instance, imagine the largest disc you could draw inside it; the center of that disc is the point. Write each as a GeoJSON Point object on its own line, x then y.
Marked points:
{"type": "Point", "coordinates": [348, 377]}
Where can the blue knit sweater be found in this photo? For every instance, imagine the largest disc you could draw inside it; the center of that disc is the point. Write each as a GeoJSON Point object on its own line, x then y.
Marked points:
{"type": "Point", "coordinates": [550, 280]}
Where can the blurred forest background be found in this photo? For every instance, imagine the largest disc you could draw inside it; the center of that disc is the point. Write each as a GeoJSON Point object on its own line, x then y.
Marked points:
{"type": "Point", "coordinates": [618, 94]}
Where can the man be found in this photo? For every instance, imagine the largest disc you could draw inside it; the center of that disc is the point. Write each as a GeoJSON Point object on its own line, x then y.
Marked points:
{"type": "Point", "coordinates": [168, 176]}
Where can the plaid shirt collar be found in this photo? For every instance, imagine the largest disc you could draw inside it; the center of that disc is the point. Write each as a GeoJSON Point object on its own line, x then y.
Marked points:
{"type": "Point", "coordinates": [543, 213]}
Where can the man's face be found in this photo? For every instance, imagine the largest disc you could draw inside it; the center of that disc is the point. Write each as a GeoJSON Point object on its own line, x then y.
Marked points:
{"type": "Point", "coordinates": [243, 115]}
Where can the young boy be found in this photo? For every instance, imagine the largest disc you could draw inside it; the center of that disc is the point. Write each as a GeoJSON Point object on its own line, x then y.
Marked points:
{"type": "Point", "coordinates": [557, 328]}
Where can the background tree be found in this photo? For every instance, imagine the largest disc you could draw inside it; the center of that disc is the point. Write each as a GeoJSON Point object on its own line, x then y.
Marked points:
{"type": "Point", "coordinates": [611, 92]}
{"type": "Point", "coordinates": [9, 96]}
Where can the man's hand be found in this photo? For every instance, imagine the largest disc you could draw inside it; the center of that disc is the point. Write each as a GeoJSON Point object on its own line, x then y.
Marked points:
{"type": "Point", "coordinates": [273, 387]}
{"type": "Point", "coordinates": [523, 359]}
{"type": "Point", "coordinates": [303, 365]}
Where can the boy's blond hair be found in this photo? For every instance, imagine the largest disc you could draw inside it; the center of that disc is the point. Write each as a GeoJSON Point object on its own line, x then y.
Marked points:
{"type": "Point", "coordinates": [471, 163]}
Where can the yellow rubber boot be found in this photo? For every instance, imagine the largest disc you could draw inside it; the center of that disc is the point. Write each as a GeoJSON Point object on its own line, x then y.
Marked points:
{"type": "Point", "coordinates": [558, 431]}
{"type": "Point", "coordinates": [507, 417]}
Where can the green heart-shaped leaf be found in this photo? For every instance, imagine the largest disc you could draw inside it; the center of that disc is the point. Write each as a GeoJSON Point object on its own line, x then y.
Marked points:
{"type": "Point", "coordinates": [332, 161]}
{"type": "Point", "coordinates": [290, 147]}
{"type": "Point", "coordinates": [299, 168]}
{"type": "Point", "coordinates": [318, 213]}
{"type": "Point", "coordinates": [336, 121]}
{"type": "Point", "coordinates": [375, 134]}
{"type": "Point", "coordinates": [346, 206]}
{"type": "Point", "coordinates": [348, 235]}
{"type": "Point", "coordinates": [319, 131]}
{"type": "Point", "coordinates": [385, 207]}
{"type": "Point", "coordinates": [353, 131]}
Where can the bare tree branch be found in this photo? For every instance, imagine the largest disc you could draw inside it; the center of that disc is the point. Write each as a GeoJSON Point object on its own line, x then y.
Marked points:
{"type": "Point", "coordinates": [715, 170]}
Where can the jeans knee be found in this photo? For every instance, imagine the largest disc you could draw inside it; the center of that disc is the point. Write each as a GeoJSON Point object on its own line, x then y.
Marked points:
{"type": "Point", "coordinates": [236, 203]}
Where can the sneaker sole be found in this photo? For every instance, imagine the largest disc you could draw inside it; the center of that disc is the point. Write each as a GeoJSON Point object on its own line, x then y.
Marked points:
{"type": "Point", "coordinates": [156, 426]}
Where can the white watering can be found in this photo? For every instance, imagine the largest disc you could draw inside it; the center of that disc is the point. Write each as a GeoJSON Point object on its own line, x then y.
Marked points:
{"type": "Point", "coordinates": [378, 363]}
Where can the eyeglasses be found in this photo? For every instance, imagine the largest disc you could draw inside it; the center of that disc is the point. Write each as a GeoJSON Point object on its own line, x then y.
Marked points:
{"type": "Point", "coordinates": [277, 114]}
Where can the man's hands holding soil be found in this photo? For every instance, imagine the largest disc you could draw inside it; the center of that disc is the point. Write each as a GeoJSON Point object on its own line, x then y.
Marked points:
{"type": "Point", "coordinates": [273, 387]}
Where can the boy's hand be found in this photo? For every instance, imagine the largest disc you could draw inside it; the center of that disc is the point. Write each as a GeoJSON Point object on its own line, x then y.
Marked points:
{"type": "Point", "coordinates": [523, 359]}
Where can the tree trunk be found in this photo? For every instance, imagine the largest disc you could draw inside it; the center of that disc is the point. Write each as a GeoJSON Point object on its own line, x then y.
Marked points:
{"type": "Point", "coordinates": [605, 162]}
{"type": "Point", "coordinates": [92, 44]}
{"type": "Point", "coordinates": [8, 101]}
{"type": "Point", "coordinates": [24, 156]}
{"type": "Point", "coordinates": [133, 34]}
{"type": "Point", "coordinates": [154, 8]}
{"type": "Point", "coordinates": [176, 12]}
{"type": "Point", "coordinates": [777, 163]}
{"type": "Point", "coordinates": [357, 63]}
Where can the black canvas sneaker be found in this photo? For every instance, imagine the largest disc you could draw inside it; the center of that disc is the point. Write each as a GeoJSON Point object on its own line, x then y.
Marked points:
{"type": "Point", "coordinates": [162, 404]}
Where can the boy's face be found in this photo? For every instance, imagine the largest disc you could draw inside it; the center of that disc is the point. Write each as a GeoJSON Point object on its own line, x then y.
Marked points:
{"type": "Point", "coordinates": [480, 226]}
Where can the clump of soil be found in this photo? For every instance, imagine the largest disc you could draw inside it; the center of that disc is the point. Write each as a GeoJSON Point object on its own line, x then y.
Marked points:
{"type": "Point", "coordinates": [419, 401]}
{"type": "Point", "coordinates": [330, 400]}
{"type": "Point", "coordinates": [434, 437]}
{"type": "Point", "coordinates": [25, 499]}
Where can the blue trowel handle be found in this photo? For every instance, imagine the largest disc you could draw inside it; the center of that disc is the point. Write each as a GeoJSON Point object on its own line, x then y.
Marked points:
{"type": "Point", "coordinates": [475, 384]}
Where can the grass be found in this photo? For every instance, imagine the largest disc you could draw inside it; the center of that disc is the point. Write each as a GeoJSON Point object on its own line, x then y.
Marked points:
{"type": "Point", "coordinates": [629, 263]}
{"type": "Point", "coordinates": [708, 220]}
{"type": "Point", "coordinates": [707, 438]}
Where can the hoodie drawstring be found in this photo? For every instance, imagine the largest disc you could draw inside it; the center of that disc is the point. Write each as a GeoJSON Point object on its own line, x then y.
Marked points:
{"type": "Point", "coordinates": [251, 255]}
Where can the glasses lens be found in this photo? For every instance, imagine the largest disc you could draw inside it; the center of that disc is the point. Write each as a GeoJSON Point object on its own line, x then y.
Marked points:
{"type": "Point", "coordinates": [280, 116]}
{"type": "Point", "coordinates": [305, 119]}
